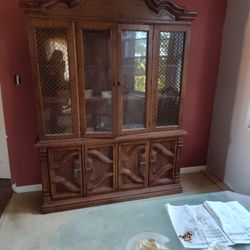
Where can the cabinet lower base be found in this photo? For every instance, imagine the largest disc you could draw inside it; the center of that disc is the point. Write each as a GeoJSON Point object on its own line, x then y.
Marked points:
{"type": "Point", "coordinates": [62, 205]}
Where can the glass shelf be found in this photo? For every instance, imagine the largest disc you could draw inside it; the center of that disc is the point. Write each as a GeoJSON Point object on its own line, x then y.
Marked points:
{"type": "Point", "coordinates": [97, 76]}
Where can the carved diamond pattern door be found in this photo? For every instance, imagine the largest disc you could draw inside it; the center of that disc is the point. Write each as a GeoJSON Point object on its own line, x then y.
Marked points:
{"type": "Point", "coordinates": [99, 170]}
{"type": "Point", "coordinates": [65, 170]}
{"type": "Point", "coordinates": [133, 165]}
{"type": "Point", "coordinates": [162, 162]}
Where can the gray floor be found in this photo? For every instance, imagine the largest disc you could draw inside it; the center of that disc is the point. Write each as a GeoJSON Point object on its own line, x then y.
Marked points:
{"type": "Point", "coordinates": [195, 183]}
{"type": "Point", "coordinates": [192, 183]}
{"type": "Point", "coordinates": [34, 231]}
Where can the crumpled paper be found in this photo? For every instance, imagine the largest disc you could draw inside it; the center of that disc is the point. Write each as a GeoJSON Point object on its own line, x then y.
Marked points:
{"type": "Point", "coordinates": [219, 246]}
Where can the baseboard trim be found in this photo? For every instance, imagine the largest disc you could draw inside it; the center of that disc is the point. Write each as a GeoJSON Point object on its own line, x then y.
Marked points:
{"type": "Point", "coordinates": [38, 187]}
{"type": "Point", "coordinates": [230, 187]}
{"type": "Point", "coordinates": [224, 186]}
{"type": "Point", "coordinates": [25, 189]}
{"type": "Point", "coordinates": [195, 169]}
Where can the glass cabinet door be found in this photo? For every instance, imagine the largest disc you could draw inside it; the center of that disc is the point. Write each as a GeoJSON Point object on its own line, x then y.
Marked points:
{"type": "Point", "coordinates": [168, 69]}
{"type": "Point", "coordinates": [98, 68]}
{"type": "Point", "coordinates": [135, 51]}
{"type": "Point", "coordinates": [56, 73]}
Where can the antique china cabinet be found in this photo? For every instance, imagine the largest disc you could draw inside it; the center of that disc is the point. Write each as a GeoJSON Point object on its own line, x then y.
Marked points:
{"type": "Point", "coordinates": [109, 79]}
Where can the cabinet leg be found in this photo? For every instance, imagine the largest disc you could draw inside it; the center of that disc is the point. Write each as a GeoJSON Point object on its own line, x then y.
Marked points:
{"type": "Point", "coordinates": [178, 160]}
{"type": "Point", "coordinates": [45, 174]}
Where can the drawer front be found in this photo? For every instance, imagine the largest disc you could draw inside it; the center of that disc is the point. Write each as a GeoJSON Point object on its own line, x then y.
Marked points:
{"type": "Point", "coordinates": [65, 172]}
{"type": "Point", "coordinates": [99, 169]}
{"type": "Point", "coordinates": [162, 162]}
{"type": "Point", "coordinates": [133, 165]}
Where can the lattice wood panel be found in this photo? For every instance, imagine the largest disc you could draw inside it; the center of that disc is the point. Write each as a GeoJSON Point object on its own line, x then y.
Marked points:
{"type": "Point", "coordinates": [99, 169]}
{"type": "Point", "coordinates": [162, 161]}
{"type": "Point", "coordinates": [65, 170]}
{"type": "Point", "coordinates": [133, 165]}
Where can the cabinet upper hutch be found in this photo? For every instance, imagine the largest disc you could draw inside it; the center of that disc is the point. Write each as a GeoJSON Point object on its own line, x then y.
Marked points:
{"type": "Point", "coordinates": [109, 79]}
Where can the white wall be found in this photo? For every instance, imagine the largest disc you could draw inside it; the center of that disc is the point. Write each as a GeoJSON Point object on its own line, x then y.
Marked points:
{"type": "Point", "coordinates": [4, 157]}
{"type": "Point", "coordinates": [229, 151]}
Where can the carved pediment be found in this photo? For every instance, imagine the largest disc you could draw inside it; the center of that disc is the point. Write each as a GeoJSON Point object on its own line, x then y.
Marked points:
{"type": "Point", "coordinates": [163, 9]}
{"type": "Point", "coordinates": [46, 4]}
{"type": "Point", "coordinates": [178, 13]}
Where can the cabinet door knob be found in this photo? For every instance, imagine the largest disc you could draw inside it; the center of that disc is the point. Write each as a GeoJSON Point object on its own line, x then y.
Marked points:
{"type": "Point", "coordinates": [153, 165]}
{"type": "Point", "coordinates": [89, 166]}
{"type": "Point", "coordinates": [142, 163]}
{"type": "Point", "coordinates": [142, 168]}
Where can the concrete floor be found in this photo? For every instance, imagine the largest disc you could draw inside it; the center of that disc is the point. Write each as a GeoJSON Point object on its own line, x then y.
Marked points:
{"type": "Point", "coordinates": [34, 231]}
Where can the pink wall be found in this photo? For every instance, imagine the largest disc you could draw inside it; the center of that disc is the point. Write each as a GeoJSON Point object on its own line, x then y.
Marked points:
{"type": "Point", "coordinates": [203, 67]}
{"type": "Point", "coordinates": [18, 101]}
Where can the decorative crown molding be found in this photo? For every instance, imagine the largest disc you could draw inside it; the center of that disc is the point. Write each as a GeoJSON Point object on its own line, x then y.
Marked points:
{"type": "Point", "coordinates": [46, 4]}
{"type": "Point", "coordinates": [178, 12]}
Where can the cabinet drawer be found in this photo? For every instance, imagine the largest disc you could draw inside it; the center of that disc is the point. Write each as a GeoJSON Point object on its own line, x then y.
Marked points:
{"type": "Point", "coordinates": [162, 162]}
{"type": "Point", "coordinates": [133, 165]}
{"type": "Point", "coordinates": [65, 172]}
{"type": "Point", "coordinates": [99, 169]}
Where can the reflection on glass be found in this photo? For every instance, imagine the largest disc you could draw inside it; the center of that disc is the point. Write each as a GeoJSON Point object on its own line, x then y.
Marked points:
{"type": "Point", "coordinates": [169, 78]}
{"type": "Point", "coordinates": [134, 68]}
{"type": "Point", "coordinates": [97, 78]}
{"type": "Point", "coordinates": [54, 75]}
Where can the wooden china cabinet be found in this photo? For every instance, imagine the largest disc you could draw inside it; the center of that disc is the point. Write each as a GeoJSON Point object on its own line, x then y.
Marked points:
{"type": "Point", "coordinates": [109, 79]}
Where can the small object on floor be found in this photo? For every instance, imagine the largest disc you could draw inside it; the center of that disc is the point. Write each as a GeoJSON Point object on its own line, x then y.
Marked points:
{"type": "Point", "coordinates": [147, 241]}
{"type": "Point", "coordinates": [218, 246]}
